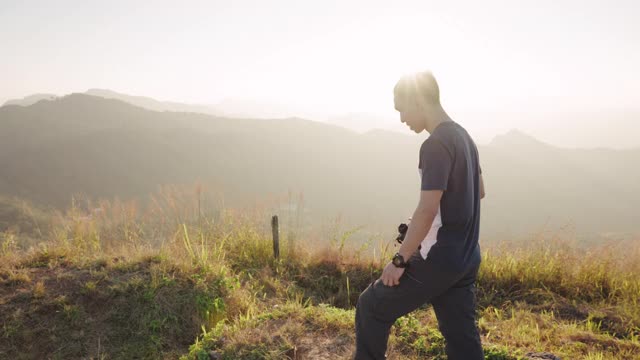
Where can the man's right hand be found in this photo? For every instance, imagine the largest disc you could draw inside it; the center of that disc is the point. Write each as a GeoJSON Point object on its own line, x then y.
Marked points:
{"type": "Point", "coordinates": [391, 275]}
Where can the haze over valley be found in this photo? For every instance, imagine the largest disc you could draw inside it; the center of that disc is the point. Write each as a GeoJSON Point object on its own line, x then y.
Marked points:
{"type": "Point", "coordinates": [116, 145]}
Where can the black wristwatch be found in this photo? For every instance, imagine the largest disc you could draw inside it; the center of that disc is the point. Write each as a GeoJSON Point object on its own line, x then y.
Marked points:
{"type": "Point", "coordinates": [398, 261]}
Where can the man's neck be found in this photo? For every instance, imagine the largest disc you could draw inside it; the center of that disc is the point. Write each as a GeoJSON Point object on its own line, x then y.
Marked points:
{"type": "Point", "coordinates": [439, 116]}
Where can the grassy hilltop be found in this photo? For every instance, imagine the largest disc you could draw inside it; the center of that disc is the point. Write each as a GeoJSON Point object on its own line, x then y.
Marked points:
{"type": "Point", "coordinates": [123, 283]}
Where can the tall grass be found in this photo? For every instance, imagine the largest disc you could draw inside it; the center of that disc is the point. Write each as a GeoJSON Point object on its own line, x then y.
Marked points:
{"type": "Point", "coordinates": [186, 225]}
{"type": "Point", "coordinates": [230, 251]}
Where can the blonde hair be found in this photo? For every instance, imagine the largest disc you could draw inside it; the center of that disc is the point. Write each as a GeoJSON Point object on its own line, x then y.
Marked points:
{"type": "Point", "coordinates": [414, 89]}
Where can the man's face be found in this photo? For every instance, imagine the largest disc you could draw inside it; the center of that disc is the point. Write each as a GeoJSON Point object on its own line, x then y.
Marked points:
{"type": "Point", "coordinates": [410, 113]}
{"type": "Point", "coordinates": [413, 119]}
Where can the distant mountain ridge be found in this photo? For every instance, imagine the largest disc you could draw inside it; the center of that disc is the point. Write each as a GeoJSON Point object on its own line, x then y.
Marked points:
{"type": "Point", "coordinates": [593, 136]}
{"type": "Point", "coordinates": [152, 104]}
{"type": "Point", "coordinates": [140, 101]}
{"type": "Point", "coordinates": [30, 100]}
{"type": "Point", "coordinates": [517, 138]}
{"type": "Point", "coordinates": [101, 147]}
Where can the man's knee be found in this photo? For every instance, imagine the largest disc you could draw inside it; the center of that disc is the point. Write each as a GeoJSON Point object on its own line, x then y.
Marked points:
{"type": "Point", "coordinates": [366, 299]}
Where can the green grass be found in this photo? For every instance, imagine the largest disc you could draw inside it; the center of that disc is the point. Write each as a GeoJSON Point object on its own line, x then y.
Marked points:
{"type": "Point", "coordinates": [145, 308]}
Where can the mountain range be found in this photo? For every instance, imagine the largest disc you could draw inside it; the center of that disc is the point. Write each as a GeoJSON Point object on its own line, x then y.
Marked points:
{"type": "Point", "coordinates": [108, 145]}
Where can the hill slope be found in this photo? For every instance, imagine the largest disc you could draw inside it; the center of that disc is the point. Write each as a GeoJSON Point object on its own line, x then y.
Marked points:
{"type": "Point", "coordinates": [223, 296]}
{"type": "Point", "coordinates": [106, 148]}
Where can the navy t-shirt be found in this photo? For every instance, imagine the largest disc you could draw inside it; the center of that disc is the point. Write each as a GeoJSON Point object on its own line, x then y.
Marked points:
{"type": "Point", "coordinates": [449, 161]}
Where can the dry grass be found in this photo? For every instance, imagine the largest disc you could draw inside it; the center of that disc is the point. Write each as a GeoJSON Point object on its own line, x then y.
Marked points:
{"type": "Point", "coordinates": [175, 279]}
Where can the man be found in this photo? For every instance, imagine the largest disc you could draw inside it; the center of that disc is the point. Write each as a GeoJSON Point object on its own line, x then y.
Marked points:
{"type": "Point", "coordinates": [439, 258]}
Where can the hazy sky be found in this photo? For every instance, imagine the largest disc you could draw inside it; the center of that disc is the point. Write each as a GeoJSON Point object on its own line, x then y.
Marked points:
{"type": "Point", "coordinates": [330, 57]}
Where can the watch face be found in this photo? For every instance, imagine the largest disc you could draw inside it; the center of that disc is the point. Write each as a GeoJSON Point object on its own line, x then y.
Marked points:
{"type": "Point", "coordinates": [398, 260]}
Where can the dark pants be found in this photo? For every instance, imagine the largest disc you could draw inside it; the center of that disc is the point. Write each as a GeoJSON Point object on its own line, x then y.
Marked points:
{"type": "Point", "coordinates": [451, 294]}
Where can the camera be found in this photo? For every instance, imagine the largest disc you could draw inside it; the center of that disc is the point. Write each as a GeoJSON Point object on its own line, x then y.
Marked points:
{"type": "Point", "coordinates": [402, 231]}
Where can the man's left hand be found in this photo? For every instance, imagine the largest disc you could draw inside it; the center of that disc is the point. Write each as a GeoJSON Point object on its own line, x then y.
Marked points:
{"type": "Point", "coordinates": [391, 275]}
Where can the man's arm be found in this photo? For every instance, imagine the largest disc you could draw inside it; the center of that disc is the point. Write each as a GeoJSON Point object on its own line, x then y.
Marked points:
{"type": "Point", "coordinates": [418, 229]}
{"type": "Point", "coordinates": [482, 193]}
{"type": "Point", "coordinates": [436, 162]}
{"type": "Point", "coordinates": [421, 221]}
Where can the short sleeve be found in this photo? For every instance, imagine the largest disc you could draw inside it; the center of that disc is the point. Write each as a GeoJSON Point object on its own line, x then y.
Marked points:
{"type": "Point", "coordinates": [436, 163]}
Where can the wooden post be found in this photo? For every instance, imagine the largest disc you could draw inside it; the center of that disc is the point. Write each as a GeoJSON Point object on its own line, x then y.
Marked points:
{"type": "Point", "coordinates": [276, 236]}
